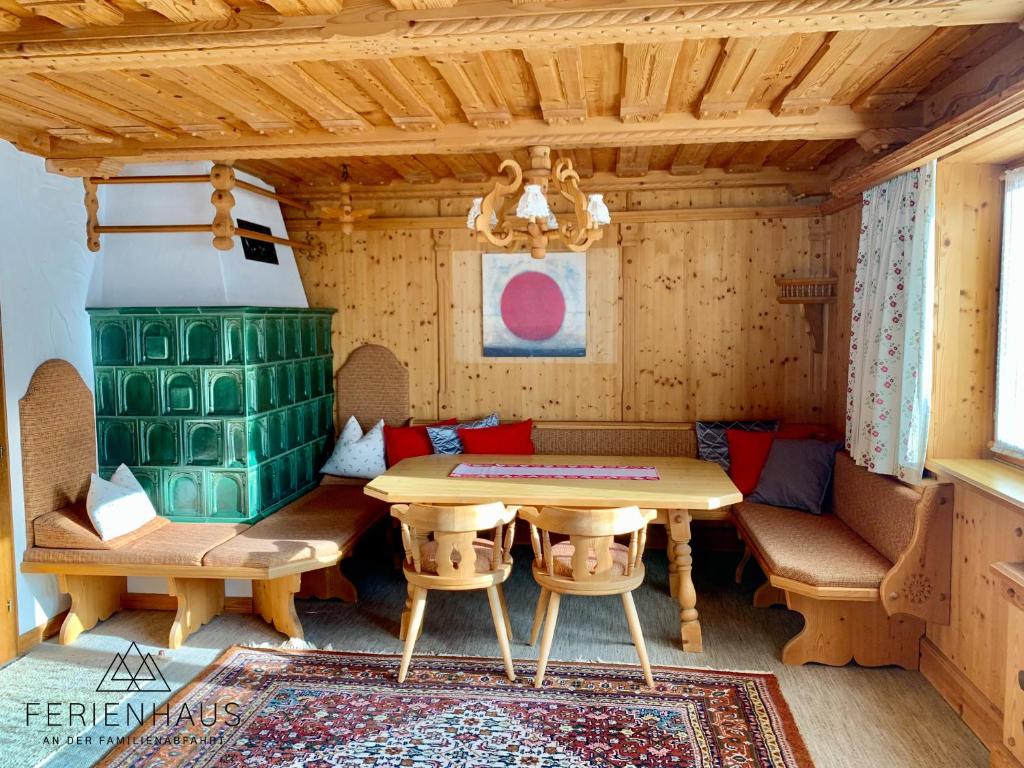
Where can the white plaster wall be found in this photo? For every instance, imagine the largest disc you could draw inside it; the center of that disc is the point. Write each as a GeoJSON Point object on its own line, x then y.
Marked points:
{"type": "Point", "coordinates": [184, 268]}
{"type": "Point", "coordinates": [44, 278]}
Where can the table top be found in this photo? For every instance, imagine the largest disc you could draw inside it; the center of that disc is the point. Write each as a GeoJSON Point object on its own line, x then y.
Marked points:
{"type": "Point", "coordinates": [684, 484]}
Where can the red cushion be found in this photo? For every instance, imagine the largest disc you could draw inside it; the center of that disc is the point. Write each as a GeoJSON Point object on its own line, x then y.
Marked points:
{"type": "Point", "coordinates": [748, 452]}
{"type": "Point", "coordinates": [406, 442]}
{"type": "Point", "coordinates": [515, 438]}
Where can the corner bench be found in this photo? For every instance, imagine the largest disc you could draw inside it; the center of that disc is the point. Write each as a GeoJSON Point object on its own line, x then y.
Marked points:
{"type": "Point", "coordinates": [293, 552]}
{"type": "Point", "coordinates": [865, 577]}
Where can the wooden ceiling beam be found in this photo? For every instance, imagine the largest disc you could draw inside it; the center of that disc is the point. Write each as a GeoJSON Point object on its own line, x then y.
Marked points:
{"type": "Point", "coordinates": [306, 7]}
{"type": "Point", "coordinates": [381, 81]}
{"type": "Point", "coordinates": [736, 74]}
{"type": "Point", "coordinates": [1003, 109]}
{"type": "Point", "coordinates": [76, 14]}
{"type": "Point", "coordinates": [185, 11]}
{"type": "Point", "coordinates": [690, 159]}
{"type": "Point", "coordinates": [9, 22]}
{"type": "Point", "coordinates": [374, 29]}
{"type": "Point", "coordinates": [558, 74]}
{"type": "Point", "coordinates": [633, 161]}
{"type": "Point", "coordinates": [1001, 70]}
{"type": "Point", "coordinates": [474, 86]}
{"type": "Point", "coordinates": [800, 183]}
{"type": "Point", "coordinates": [459, 138]}
{"type": "Point", "coordinates": [648, 75]}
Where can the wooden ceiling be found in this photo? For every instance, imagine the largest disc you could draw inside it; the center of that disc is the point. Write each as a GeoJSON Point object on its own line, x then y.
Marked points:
{"type": "Point", "coordinates": [424, 91]}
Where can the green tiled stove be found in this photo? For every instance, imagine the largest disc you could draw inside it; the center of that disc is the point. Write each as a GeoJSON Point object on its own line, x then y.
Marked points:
{"type": "Point", "coordinates": [224, 414]}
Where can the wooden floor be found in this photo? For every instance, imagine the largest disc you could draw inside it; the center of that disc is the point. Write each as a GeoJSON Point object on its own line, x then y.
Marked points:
{"type": "Point", "coordinates": [850, 717]}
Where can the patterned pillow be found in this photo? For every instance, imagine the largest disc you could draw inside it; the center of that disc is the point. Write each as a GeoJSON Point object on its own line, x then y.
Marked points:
{"type": "Point", "coordinates": [356, 454]}
{"type": "Point", "coordinates": [712, 444]}
{"type": "Point", "coordinates": [445, 439]}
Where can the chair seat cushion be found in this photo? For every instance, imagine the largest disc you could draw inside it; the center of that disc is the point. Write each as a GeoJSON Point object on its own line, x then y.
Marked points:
{"type": "Point", "coordinates": [171, 544]}
{"type": "Point", "coordinates": [484, 549]}
{"type": "Point", "coordinates": [563, 551]}
{"type": "Point", "coordinates": [70, 528]}
{"type": "Point", "coordinates": [821, 551]}
{"type": "Point", "coordinates": [321, 525]}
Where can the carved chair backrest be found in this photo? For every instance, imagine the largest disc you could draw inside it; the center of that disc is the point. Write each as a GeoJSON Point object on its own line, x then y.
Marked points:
{"type": "Point", "coordinates": [454, 529]}
{"type": "Point", "coordinates": [591, 533]}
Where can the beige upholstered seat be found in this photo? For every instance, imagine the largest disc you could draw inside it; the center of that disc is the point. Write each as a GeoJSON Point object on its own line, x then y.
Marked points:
{"type": "Point", "coordinates": [321, 525]}
{"type": "Point", "coordinates": [171, 544]}
{"type": "Point", "coordinates": [70, 528]}
{"type": "Point", "coordinates": [821, 551]}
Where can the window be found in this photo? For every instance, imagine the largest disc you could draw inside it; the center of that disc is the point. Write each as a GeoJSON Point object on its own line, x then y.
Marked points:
{"type": "Point", "coordinates": [1010, 360]}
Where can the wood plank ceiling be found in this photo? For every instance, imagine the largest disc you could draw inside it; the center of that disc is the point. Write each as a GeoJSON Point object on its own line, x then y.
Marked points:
{"type": "Point", "coordinates": [422, 91]}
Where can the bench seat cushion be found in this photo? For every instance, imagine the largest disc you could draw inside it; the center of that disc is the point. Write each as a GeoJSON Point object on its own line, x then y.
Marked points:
{"type": "Point", "coordinates": [821, 551]}
{"type": "Point", "coordinates": [71, 528]}
{"type": "Point", "coordinates": [323, 524]}
{"type": "Point", "coordinates": [171, 544]}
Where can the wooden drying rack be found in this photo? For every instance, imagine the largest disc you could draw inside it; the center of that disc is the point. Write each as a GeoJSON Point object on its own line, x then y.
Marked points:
{"type": "Point", "coordinates": [221, 177]}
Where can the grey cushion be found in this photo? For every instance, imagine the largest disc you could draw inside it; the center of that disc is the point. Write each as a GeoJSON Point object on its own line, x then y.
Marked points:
{"type": "Point", "coordinates": [712, 444]}
{"type": "Point", "coordinates": [797, 475]}
{"type": "Point", "coordinates": [445, 439]}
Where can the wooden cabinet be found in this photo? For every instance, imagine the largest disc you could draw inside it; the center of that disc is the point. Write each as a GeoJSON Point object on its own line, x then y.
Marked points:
{"type": "Point", "coordinates": [1010, 577]}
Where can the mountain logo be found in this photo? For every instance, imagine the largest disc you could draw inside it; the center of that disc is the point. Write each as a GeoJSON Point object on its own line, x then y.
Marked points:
{"type": "Point", "coordinates": [132, 671]}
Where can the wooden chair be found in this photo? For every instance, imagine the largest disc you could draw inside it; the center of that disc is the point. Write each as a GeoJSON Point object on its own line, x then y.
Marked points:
{"type": "Point", "coordinates": [590, 562]}
{"type": "Point", "coordinates": [443, 552]}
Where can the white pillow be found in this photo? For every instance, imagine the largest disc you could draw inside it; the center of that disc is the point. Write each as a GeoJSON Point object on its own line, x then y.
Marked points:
{"type": "Point", "coordinates": [118, 506]}
{"type": "Point", "coordinates": [356, 454]}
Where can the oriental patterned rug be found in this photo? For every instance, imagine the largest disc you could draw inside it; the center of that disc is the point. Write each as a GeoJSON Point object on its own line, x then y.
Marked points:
{"type": "Point", "coordinates": [269, 708]}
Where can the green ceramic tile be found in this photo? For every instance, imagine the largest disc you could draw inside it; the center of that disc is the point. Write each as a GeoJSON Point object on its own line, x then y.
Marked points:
{"type": "Point", "coordinates": [292, 338]}
{"type": "Point", "coordinates": [255, 341]}
{"type": "Point", "coordinates": [179, 392]}
{"type": "Point", "coordinates": [161, 442]}
{"type": "Point", "coordinates": [106, 399]}
{"type": "Point", "coordinates": [117, 441]}
{"type": "Point", "coordinates": [259, 440]}
{"type": "Point", "coordinates": [224, 391]}
{"type": "Point", "coordinates": [275, 339]}
{"type": "Point", "coordinates": [234, 341]}
{"type": "Point", "coordinates": [183, 496]}
{"type": "Point", "coordinates": [200, 340]}
{"type": "Point", "coordinates": [204, 443]}
{"type": "Point", "coordinates": [226, 494]}
{"type": "Point", "coordinates": [302, 392]}
{"type": "Point", "coordinates": [112, 341]}
{"type": "Point", "coordinates": [236, 443]}
{"type": "Point", "coordinates": [157, 341]}
{"type": "Point", "coordinates": [137, 391]}
{"type": "Point", "coordinates": [285, 381]}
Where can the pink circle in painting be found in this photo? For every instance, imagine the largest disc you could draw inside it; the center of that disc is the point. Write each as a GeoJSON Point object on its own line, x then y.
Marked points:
{"type": "Point", "coordinates": [532, 306]}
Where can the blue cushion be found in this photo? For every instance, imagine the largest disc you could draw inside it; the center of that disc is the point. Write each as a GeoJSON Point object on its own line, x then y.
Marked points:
{"type": "Point", "coordinates": [796, 475]}
{"type": "Point", "coordinates": [446, 440]}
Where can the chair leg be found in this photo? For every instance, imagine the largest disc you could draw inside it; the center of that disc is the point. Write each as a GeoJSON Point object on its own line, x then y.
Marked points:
{"type": "Point", "coordinates": [499, 618]}
{"type": "Point", "coordinates": [419, 602]}
{"type": "Point", "coordinates": [545, 642]}
{"type": "Point", "coordinates": [504, 613]}
{"type": "Point", "coordinates": [538, 615]}
{"type": "Point", "coordinates": [638, 636]}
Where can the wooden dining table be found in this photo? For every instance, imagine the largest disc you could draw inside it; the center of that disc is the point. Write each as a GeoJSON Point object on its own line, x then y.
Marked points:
{"type": "Point", "coordinates": [686, 490]}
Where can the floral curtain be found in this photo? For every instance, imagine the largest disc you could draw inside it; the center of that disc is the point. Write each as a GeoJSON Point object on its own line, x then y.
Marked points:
{"type": "Point", "coordinates": [889, 388]}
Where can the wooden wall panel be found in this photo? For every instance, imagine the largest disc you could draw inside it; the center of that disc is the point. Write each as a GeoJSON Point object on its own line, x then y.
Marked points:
{"type": "Point", "coordinates": [967, 248]}
{"type": "Point", "coordinates": [984, 531]}
{"type": "Point", "coordinates": [843, 230]}
{"type": "Point", "coordinates": [683, 322]}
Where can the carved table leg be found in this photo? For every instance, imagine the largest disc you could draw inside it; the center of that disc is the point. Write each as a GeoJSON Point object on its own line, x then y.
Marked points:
{"type": "Point", "coordinates": [199, 600]}
{"type": "Point", "coordinates": [274, 600]}
{"type": "Point", "coordinates": [93, 599]}
{"type": "Point", "coordinates": [689, 626]}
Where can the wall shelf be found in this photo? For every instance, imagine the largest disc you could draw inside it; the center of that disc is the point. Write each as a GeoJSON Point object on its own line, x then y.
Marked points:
{"type": "Point", "coordinates": [813, 294]}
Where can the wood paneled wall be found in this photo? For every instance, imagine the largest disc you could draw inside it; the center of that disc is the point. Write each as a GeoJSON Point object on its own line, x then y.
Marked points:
{"type": "Point", "coordinates": [843, 238]}
{"type": "Point", "coordinates": [683, 321]}
{"type": "Point", "coordinates": [969, 205]}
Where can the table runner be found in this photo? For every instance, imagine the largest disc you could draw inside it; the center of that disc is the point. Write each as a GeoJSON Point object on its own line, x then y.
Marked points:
{"type": "Point", "coordinates": [555, 472]}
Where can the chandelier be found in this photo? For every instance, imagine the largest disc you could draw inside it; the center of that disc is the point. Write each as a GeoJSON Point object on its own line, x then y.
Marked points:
{"type": "Point", "coordinates": [531, 223]}
{"type": "Point", "coordinates": [345, 213]}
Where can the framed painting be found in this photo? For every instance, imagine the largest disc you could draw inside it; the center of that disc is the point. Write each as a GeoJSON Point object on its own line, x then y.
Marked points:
{"type": "Point", "coordinates": [535, 307]}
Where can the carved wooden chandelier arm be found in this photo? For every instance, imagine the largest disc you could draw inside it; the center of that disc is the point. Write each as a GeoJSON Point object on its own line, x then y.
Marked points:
{"type": "Point", "coordinates": [568, 182]}
{"type": "Point", "coordinates": [493, 206]}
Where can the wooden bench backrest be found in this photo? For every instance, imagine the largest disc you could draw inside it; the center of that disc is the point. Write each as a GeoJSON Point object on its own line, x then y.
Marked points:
{"type": "Point", "coordinates": [879, 508]}
{"type": "Point", "coordinates": [611, 438]}
{"type": "Point", "coordinates": [371, 385]}
{"type": "Point", "coordinates": [58, 441]}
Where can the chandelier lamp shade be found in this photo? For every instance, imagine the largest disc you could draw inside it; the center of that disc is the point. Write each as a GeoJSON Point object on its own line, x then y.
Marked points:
{"type": "Point", "coordinates": [531, 223]}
